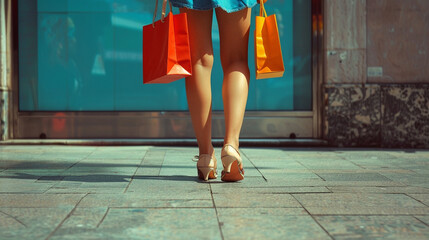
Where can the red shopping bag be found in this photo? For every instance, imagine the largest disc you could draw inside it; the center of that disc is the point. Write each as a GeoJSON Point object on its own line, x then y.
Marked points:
{"type": "Point", "coordinates": [166, 51]}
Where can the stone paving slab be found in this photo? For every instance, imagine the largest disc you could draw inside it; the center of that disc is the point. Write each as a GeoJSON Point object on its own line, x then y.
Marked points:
{"type": "Point", "coordinates": [121, 186]}
{"type": "Point", "coordinates": [31, 174]}
{"type": "Point", "coordinates": [267, 190]}
{"type": "Point", "coordinates": [279, 164]}
{"type": "Point", "coordinates": [316, 164]}
{"type": "Point", "coordinates": [23, 186]}
{"type": "Point", "coordinates": [290, 176]}
{"type": "Point", "coordinates": [92, 170]}
{"type": "Point", "coordinates": [255, 201]}
{"type": "Point", "coordinates": [169, 185]}
{"type": "Point", "coordinates": [57, 156]}
{"type": "Point", "coordinates": [423, 198]}
{"type": "Point", "coordinates": [88, 218]}
{"type": "Point", "coordinates": [109, 163]}
{"type": "Point", "coordinates": [153, 192]}
{"type": "Point", "coordinates": [412, 179]}
{"type": "Point", "coordinates": [266, 211]}
{"type": "Point", "coordinates": [360, 203]}
{"type": "Point", "coordinates": [67, 184]}
{"type": "Point", "coordinates": [100, 155]}
{"type": "Point", "coordinates": [55, 190]}
{"type": "Point", "coordinates": [30, 223]}
{"type": "Point", "coordinates": [143, 223]}
{"type": "Point", "coordinates": [39, 200]}
{"type": "Point", "coordinates": [423, 218]}
{"type": "Point", "coordinates": [269, 223]}
{"type": "Point", "coordinates": [120, 192]}
{"type": "Point", "coordinates": [368, 155]}
{"type": "Point", "coordinates": [37, 165]}
{"type": "Point", "coordinates": [353, 177]}
{"type": "Point", "coordinates": [164, 223]}
{"type": "Point", "coordinates": [148, 170]}
{"type": "Point", "coordinates": [384, 170]}
{"type": "Point", "coordinates": [260, 182]}
{"type": "Point", "coordinates": [374, 227]}
{"type": "Point", "coordinates": [11, 158]}
{"type": "Point", "coordinates": [376, 189]}
{"type": "Point", "coordinates": [423, 171]}
{"type": "Point", "coordinates": [144, 201]}
{"type": "Point", "coordinates": [97, 179]}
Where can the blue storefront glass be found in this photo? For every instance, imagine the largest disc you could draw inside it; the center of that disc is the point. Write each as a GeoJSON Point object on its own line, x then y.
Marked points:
{"type": "Point", "coordinates": [85, 55]}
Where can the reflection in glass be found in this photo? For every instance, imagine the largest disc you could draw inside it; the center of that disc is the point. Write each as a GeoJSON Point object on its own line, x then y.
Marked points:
{"type": "Point", "coordinates": [80, 55]}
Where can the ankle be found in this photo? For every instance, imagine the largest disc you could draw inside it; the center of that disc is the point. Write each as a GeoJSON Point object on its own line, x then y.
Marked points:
{"type": "Point", "coordinates": [207, 150]}
{"type": "Point", "coordinates": [232, 143]}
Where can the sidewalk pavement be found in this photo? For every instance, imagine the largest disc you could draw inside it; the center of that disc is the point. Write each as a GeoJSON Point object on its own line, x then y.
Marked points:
{"type": "Point", "coordinates": [147, 192]}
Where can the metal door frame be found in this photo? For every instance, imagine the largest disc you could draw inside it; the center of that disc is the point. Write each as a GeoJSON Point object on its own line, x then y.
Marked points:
{"type": "Point", "coordinates": [171, 124]}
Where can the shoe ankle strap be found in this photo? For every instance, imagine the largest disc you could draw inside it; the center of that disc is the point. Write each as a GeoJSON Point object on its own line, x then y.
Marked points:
{"type": "Point", "coordinates": [232, 148]}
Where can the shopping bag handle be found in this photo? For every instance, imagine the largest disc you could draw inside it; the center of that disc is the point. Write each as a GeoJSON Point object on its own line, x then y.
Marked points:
{"type": "Point", "coordinates": [262, 11]}
{"type": "Point", "coordinates": [164, 6]}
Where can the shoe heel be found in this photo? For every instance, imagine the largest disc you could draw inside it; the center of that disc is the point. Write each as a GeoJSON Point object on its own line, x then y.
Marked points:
{"type": "Point", "coordinates": [206, 173]}
{"type": "Point", "coordinates": [227, 162]}
{"type": "Point", "coordinates": [232, 164]}
{"type": "Point", "coordinates": [235, 174]}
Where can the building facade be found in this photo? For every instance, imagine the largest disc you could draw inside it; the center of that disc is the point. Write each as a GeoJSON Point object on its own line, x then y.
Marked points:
{"type": "Point", "coordinates": [376, 73]}
{"type": "Point", "coordinates": [356, 74]}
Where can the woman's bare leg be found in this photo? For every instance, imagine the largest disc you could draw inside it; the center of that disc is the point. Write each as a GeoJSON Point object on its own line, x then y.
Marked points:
{"type": "Point", "coordinates": [198, 88]}
{"type": "Point", "coordinates": [234, 40]}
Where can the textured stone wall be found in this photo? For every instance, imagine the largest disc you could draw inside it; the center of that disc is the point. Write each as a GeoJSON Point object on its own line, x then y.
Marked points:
{"type": "Point", "coordinates": [2, 123]}
{"type": "Point", "coordinates": [398, 40]}
{"type": "Point", "coordinates": [5, 66]}
{"type": "Point", "coordinates": [374, 115]}
{"type": "Point", "coordinates": [376, 41]}
{"type": "Point", "coordinates": [353, 115]}
{"type": "Point", "coordinates": [345, 41]}
{"type": "Point", "coordinates": [376, 78]}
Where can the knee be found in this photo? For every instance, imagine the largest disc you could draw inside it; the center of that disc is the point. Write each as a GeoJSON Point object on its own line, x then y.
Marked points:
{"type": "Point", "coordinates": [234, 60]}
{"type": "Point", "coordinates": [205, 60]}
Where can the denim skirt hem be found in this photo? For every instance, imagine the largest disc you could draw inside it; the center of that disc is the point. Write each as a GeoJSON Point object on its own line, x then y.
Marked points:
{"type": "Point", "coordinates": [212, 6]}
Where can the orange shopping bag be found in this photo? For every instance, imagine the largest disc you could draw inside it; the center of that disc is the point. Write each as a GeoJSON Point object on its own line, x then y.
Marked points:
{"type": "Point", "coordinates": [166, 51]}
{"type": "Point", "coordinates": [268, 52]}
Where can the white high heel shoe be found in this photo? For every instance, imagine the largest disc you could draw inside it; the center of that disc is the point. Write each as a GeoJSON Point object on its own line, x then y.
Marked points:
{"type": "Point", "coordinates": [206, 167]}
{"type": "Point", "coordinates": [232, 164]}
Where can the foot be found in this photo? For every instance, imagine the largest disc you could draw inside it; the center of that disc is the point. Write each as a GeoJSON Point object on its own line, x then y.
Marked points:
{"type": "Point", "coordinates": [232, 164]}
{"type": "Point", "coordinates": [206, 166]}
